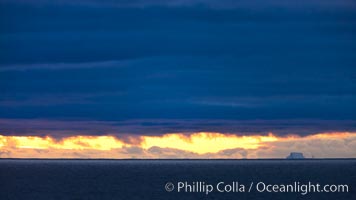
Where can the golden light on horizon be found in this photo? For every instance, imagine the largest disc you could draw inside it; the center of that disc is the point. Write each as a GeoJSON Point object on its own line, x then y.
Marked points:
{"type": "Point", "coordinates": [202, 143]}
{"type": "Point", "coordinates": [206, 142]}
{"type": "Point", "coordinates": [73, 142]}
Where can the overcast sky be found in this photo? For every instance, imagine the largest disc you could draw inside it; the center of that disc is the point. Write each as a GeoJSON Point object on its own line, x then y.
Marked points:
{"type": "Point", "coordinates": [152, 67]}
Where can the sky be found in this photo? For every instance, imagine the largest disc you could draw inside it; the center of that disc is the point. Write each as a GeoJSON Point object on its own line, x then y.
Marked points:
{"type": "Point", "coordinates": [177, 79]}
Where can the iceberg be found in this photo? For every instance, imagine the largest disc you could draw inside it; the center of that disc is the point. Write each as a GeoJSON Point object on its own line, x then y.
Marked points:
{"type": "Point", "coordinates": [295, 155]}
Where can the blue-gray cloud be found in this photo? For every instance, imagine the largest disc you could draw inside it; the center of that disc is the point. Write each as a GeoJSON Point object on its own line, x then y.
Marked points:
{"type": "Point", "coordinates": [178, 60]}
{"type": "Point", "coordinates": [226, 4]}
{"type": "Point", "coordinates": [65, 128]}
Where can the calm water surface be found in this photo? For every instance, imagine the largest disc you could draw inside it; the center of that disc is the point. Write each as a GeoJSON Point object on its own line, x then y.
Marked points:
{"type": "Point", "coordinates": [146, 179]}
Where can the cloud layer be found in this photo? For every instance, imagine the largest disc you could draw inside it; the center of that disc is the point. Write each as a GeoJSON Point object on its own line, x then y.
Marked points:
{"type": "Point", "coordinates": [66, 128]}
{"type": "Point", "coordinates": [326, 145]}
{"type": "Point", "coordinates": [153, 67]}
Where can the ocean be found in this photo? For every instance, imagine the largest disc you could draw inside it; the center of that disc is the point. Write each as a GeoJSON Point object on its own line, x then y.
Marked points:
{"type": "Point", "coordinates": [41, 179]}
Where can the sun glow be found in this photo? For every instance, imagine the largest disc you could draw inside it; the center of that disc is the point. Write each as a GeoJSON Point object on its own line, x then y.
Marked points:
{"type": "Point", "coordinates": [199, 144]}
{"type": "Point", "coordinates": [74, 142]}
{"type": "Point", "coordinates": [206, 142]}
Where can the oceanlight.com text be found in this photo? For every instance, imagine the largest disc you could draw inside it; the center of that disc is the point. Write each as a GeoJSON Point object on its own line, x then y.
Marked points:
{"type": "Point", "coordinates": [260, 187]}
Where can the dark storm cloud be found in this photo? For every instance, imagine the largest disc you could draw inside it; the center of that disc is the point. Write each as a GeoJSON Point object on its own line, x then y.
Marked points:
{"type": "Point", "coordinates": [211, 3]}
{"type": "Point", "coordinates": [178, 60]}
{"type": "Point", "coordinates": [58, 129]}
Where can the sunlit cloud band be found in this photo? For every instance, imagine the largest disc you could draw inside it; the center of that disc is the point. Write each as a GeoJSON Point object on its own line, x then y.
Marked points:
{"type": "Point", "coordinates": [179, 145]}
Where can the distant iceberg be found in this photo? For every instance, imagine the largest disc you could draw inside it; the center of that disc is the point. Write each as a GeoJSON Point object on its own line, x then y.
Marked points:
{"type": "Point", "coordinates": [295, 155]}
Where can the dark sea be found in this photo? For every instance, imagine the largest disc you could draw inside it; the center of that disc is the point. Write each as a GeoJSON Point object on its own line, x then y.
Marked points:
{"type": "Point", "coordinates": [23, 179]}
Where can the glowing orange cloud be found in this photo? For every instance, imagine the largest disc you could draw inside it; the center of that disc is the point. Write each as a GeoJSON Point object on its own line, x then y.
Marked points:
{"type": "Point", "coordinates": [206, 142]}
{"type": "Point", "coordinates": [201, 144]}
{"type": "Point", "coordinates": [74, 143]}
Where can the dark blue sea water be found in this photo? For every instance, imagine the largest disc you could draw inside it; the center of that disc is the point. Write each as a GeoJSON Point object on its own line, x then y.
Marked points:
{"type": "Point", "coordinates": [146, 179]}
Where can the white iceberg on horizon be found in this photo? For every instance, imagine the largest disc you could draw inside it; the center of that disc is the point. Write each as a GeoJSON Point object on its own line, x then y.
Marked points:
{"type": "Point", "coordinates": [295, 155]}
